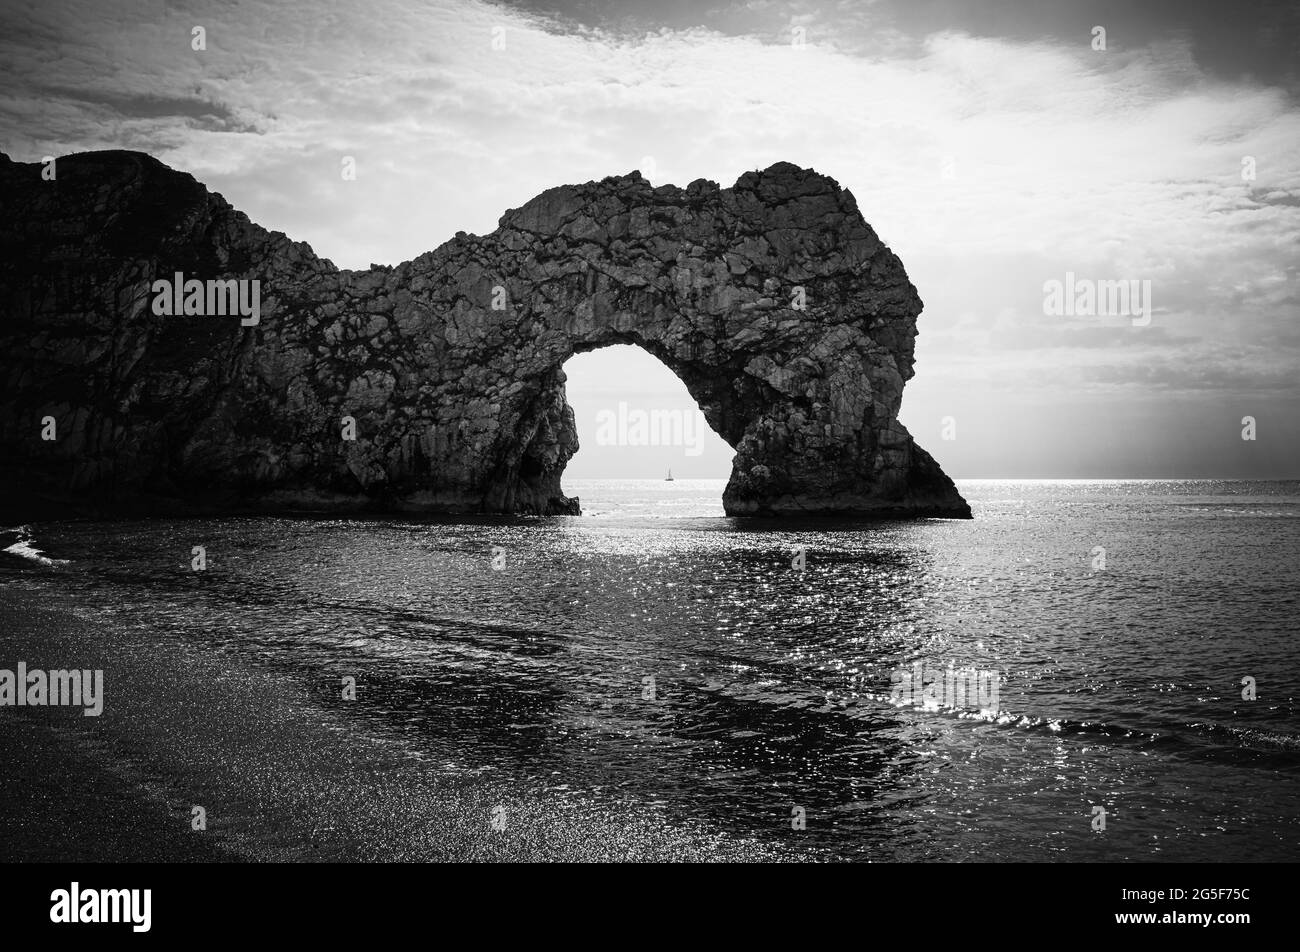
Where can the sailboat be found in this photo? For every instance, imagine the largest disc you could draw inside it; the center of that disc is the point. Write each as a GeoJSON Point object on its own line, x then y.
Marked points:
{"type": "Point", "coordinates": [669, 477]}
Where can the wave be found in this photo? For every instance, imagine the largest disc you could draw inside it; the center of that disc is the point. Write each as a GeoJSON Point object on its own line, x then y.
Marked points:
{"type": "Point", "coordinates": [1273, 509]}
{"type": "Point", "coordinates": [23, 547]}
{"type": "Point", "coordinates": [1205, 737]}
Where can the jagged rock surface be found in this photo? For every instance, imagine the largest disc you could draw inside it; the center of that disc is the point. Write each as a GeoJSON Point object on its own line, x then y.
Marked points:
{"type": "Point", "coordinates": [458, 406]}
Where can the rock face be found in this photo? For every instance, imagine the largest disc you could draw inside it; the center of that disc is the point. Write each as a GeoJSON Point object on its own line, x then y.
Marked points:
{"type": "Point", "coordinates": [789, 321]}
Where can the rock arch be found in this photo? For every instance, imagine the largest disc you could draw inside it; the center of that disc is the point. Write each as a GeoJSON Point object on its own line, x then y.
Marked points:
{"type": "Point", "coordinates": [789, 321]}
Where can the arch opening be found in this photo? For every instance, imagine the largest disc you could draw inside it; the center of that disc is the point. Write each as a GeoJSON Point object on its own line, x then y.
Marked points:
{"type": "Point", "coordinates": [638, 425]}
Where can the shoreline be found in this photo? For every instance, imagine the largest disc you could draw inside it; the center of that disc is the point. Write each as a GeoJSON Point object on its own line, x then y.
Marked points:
{"type": "Point", "coordinates": [282, 776]}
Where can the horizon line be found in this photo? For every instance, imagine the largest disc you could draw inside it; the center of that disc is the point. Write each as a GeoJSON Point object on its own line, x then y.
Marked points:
{"type": "Point", "coordinates": [1024, 479]}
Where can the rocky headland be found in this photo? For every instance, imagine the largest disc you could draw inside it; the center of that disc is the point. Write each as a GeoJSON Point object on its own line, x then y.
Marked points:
{"type": "Point", "coordinates": [790, 322]}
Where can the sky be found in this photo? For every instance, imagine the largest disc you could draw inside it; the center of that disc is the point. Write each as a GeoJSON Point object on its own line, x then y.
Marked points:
{"type": "Point", "coordinates": [996, 146]}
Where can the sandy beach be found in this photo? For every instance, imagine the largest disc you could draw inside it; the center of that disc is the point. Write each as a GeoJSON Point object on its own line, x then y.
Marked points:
{"type": "Point", "coordinates": [281, 776]}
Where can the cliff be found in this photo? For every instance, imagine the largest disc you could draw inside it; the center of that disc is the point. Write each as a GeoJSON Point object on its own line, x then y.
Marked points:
{"type": "Point", "coordinates": [789, 321]}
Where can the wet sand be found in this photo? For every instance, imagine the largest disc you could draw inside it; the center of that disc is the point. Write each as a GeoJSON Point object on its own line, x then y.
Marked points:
{"type": "Point", "coordinates": [282, 775]}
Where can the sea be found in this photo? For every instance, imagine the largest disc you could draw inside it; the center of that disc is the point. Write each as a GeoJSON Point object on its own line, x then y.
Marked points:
{"type": "Point", "coordinates": [1089, 670]}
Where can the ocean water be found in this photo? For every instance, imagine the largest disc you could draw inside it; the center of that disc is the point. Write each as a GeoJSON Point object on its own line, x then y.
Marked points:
{"type": "Point", "coordinates": [654, 656]}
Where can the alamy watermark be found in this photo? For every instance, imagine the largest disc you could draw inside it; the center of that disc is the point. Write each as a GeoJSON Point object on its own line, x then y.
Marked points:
{"type": "Point", "coordinates": [76, 905]}
{"type": "Point", "coordinates": [1085, 297]}
{"type": "Point", "coordinates": [37, 688]}
{"type": "Point", "coordinates": [212, 298]}
{"type": "Point", "coordinates": [931, 686]}
{"type": "Point", "coordinates": [637, 427]}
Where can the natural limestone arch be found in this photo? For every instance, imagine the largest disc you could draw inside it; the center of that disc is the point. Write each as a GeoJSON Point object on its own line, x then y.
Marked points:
{"type": "Point", "coordinates": [791, 324]}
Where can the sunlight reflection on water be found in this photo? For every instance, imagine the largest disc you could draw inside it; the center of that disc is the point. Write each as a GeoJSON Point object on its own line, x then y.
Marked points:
{"type": "Point", "coordinates": [656, 652]}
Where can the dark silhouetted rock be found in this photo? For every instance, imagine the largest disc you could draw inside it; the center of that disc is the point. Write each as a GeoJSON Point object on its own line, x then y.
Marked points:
{"type": "Point", "coordinates": [458, 406]}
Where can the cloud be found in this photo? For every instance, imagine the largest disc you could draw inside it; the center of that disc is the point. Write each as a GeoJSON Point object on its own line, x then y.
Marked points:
{"type": "Point", "coordinates": [991, 164]}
